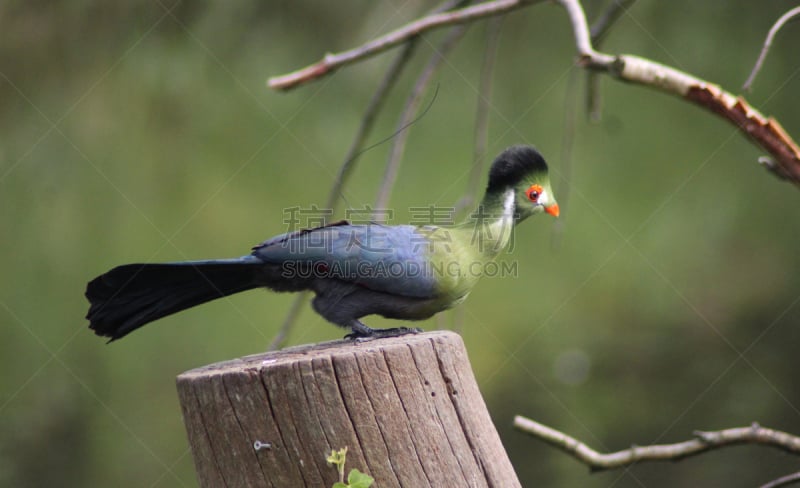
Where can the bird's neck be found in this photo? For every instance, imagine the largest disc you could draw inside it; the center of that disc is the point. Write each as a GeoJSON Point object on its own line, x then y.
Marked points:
{"type": "Point", "coordinates": [491, 225]}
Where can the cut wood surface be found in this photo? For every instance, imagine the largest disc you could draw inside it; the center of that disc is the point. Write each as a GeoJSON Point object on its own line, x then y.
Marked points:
{"type": "Point", "coordinates": [407, 408]}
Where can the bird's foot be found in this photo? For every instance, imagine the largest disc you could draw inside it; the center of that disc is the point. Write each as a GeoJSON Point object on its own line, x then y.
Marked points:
{"type": "Point", "coordinates": [361, 332]}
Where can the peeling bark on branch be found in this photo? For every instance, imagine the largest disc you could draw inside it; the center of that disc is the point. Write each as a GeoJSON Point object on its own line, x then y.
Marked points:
{"type": "Point", "coordinates": [764, 131]}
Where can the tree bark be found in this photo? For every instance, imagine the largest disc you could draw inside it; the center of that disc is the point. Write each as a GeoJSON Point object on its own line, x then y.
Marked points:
{"type": "Point", "coordinates": [407, 408]}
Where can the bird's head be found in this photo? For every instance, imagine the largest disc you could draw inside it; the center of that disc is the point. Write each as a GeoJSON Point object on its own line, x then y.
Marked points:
{"type": "Point", "coordinates": [523, 170]}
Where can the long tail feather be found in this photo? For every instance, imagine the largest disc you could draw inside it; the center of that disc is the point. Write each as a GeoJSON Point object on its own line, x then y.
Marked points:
{"type": "Point", "coordinates": [130, 296]}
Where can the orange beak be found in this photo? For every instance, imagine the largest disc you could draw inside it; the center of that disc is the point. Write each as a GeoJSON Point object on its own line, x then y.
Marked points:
{"type": "Point", "coordinates": [552, 210]}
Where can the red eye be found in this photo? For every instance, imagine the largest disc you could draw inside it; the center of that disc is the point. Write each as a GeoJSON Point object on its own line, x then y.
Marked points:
{"type": "Point", "coordinates": [533, 193]}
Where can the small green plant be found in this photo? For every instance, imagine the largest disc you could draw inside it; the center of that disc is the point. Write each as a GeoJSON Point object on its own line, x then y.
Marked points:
{"type": "Point", "coordinates": [355, 479]}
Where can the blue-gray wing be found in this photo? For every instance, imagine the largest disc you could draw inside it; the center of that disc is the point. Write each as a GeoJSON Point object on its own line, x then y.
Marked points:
{"type": "Point", "coordinates": [391, 259]}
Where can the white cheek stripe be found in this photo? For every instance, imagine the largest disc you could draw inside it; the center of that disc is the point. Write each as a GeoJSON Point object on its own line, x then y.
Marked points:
{"type": "Point", "coordinates": [508, 204]}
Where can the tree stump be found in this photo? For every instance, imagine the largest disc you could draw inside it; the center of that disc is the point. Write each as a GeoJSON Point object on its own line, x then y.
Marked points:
{"type": "Point", "coordinates": [407, 408]}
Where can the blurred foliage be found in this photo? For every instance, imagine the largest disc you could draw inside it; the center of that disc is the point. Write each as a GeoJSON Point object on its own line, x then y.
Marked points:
{"type": "Point", "coordinates": [143, 131]}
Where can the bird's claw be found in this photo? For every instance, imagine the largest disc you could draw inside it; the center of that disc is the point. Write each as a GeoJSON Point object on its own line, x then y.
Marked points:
{"type": "Point", "coordinates": [359, 335]}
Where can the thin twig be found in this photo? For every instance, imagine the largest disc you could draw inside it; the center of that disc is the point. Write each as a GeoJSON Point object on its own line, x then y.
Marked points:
{"type": "Point", "coordinates": [409, 113]}
{"type": "Point", "coordinates": [583, 40]}
{"type": "Point", "coordinates": [594, 102]}
{"type": "Point", "coordinates": [332, 62]}
{"type": "Point", "coordinates": [375, 105]}
{"type": "Point", "coordinates": [598, 31]}
{"type": "Point", "coordinates": [567, 143]}
{"type": "Point", "coordinates": [354, 151]}
{"type": "Point", "coordinates": [767, 43]}
{"type": "Point", "coordinates": [345, 170]}
{"type": "Point", "coordinates": [783, 481]}
{"type": "Point", "coordinates": [766, 132]}
{"type": "Point", "coordinates": [481, 134]}
{"type": "Point", "coordinates": [368, 121]}
{"type": "Point", "coordinates": [493, 29]}
{"type": "Point", "coordinates": [610, 15]}
{"type": "Point", "coordinates": [704, 441]}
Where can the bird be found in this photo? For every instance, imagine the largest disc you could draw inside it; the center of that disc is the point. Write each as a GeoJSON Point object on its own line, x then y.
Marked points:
{"type": "Point", "coordinates": [407, 272]}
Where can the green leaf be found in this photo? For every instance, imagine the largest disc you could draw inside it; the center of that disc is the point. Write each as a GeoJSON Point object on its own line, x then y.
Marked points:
{"type": "Point", "coordinates": [339, 484]}
{"type": "Point", "coordinates": [357, 479]}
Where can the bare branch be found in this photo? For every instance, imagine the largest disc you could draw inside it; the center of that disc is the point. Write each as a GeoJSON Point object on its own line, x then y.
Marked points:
{"type": "Point", "coordinates": [355, 150]}
{"type": "Point", "coordinates": [367, 122]}
{"type": "Point", "coordinates": [493, 29]}
{"type": "Point", "coordinates": [374, 106]}
{"type": "Point", "coordinates": [583, 41]}
{"type": "Point", "coordinates": [766, 132]}
{"type": "Point", "coordinates": [594, 102]}
{"type": "Point", "coordinates": [767, 43]}
{"type": "Point", "coordinates": [704, 441]}
{"type": "Point", "coordinates": [567, 144]}
{"type": "Point", "coordinates": [479, 151]}
{"type": "Point", "coordinates": [409, 112]}
{"type": "Point", "coordinates": [332, 62]}
{"type": "Point", "coordinates": [603, 23]}
{"type": "Point", "coordinates": [783, 481]}
{"type": "Point", "coordinates": [598, 32]}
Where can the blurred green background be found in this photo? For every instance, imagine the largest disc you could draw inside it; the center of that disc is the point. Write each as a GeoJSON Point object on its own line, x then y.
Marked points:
{"type": "Point", "coordinates": [143, 131]}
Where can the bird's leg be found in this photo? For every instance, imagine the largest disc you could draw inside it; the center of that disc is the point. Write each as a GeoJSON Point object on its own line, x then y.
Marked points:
{"type": "Point", "coordinates": [362, 331]}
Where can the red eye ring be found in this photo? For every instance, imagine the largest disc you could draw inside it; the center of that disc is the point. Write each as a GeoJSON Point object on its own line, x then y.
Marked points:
{"type": "Point", "coordinates": [533, 193]}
